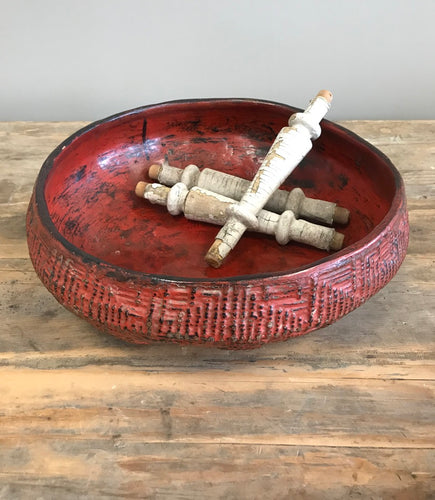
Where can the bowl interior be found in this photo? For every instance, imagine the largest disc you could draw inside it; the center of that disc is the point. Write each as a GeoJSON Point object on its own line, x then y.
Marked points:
{"type": "Point", "coordinates": [89, 186]}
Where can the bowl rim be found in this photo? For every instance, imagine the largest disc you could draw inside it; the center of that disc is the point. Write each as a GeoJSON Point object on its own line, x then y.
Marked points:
{"type": "Point", "coordinates": [123, 273]}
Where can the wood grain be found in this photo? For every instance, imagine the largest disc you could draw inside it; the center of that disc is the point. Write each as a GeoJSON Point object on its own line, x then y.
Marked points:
{"type": "Point", "coordinates": [344, 412]}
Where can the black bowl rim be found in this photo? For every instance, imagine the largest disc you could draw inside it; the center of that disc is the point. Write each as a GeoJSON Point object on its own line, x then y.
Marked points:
{"type": "Point", "coordinates": [124, 274]}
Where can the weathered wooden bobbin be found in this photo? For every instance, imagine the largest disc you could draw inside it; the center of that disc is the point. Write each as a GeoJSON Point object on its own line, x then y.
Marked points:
{"type": "Point", "coordinates": [319, 211]}
{"type": "Point", "coordinates": [202, 205]}
{"type": "Point", "coordinates": [289, 148]}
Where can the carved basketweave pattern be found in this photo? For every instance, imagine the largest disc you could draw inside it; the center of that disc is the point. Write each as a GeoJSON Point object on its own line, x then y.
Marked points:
{"type": "Point", "coordinates": [234, 314]}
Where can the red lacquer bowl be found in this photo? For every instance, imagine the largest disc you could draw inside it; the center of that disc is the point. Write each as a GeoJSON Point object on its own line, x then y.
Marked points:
{"type": "Point", "coordinates": [133, 270]}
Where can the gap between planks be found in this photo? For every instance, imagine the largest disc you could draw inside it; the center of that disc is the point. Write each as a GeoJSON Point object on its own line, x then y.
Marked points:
{"type": "Point", "coordinates": [300, 369]}
{"type": "Point", "coordinates": [308, 440]}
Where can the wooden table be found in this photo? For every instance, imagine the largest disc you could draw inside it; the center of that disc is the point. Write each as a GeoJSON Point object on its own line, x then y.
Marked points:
{"type": "Point", "coordinates": [344, 412]}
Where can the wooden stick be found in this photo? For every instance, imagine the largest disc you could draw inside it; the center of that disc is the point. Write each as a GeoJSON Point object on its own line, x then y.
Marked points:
{"type": "Point", "coordinates": [319, 211]}
{"type": "Point", "coordinates": [289, 148]}
{"type": "Point", "coordinates": [202, 205]}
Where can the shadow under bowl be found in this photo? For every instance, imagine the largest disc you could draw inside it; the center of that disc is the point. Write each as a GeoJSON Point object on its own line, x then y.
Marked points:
{"type": "Point", "coordinates": [133, 270]}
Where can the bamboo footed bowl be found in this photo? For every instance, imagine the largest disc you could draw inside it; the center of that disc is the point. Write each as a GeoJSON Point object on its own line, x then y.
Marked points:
{"type": "Point", "coordinates": [133, 270]}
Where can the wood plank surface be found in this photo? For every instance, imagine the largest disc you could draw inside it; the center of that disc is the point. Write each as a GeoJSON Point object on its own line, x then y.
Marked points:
{"type": "Point", "coordinates": [344, 412]}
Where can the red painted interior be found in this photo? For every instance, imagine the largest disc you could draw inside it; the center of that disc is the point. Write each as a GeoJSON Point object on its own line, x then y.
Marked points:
{"type": "Point", "coordinates": [90, 188]}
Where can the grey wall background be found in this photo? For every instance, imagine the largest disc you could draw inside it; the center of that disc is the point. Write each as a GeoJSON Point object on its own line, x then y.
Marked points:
{"type": "Point", "coordinates": [84, 60]}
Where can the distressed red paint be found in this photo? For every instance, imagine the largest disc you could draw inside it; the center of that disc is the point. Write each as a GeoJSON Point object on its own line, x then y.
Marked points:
{"type": "Point", "coordinates": [133, 270]}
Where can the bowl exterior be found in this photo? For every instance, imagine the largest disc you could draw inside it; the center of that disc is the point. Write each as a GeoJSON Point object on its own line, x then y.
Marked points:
{"type": "Point", "coordinates": [232, 313]}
